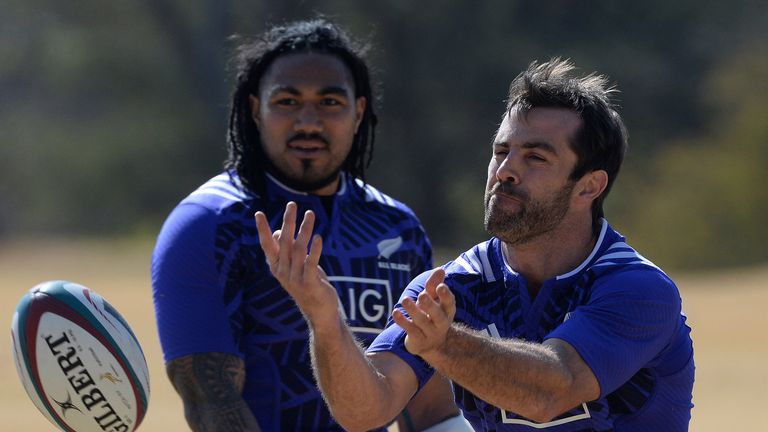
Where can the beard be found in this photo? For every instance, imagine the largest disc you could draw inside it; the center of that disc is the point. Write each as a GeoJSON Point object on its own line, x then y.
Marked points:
{"type": "Point", "coordinates": [307, 180]}
{"type": "Point", "coordinates": [534, 218]}
{"type": "Point", "coordinates": [308, 177]}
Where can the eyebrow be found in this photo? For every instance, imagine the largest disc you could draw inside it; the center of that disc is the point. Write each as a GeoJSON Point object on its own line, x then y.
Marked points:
{"type": "Point", "coordinates": [547, 147]}
{"type": "Point", "coordinates": [540, 145]}
{"type": "Point", "coordinates": [333, 90]}
{"type": "Point", "coordinates": [330, 90]}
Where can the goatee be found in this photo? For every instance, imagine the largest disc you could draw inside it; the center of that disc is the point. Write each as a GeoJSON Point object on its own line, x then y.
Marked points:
{"type": "Point", "coordinates": [534, 218]}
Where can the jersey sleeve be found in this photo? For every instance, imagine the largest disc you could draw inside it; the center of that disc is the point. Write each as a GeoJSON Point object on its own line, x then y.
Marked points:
{"type": "Point", "coordinates": [189, 306]}
{"type": "Point", "coordinates": [628, 321]}
{"type": "Point", "coordinates": [392, 338]}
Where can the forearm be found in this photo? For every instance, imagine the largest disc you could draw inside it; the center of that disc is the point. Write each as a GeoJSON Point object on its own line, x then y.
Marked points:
{"type": "Point", "coordinates": [358, 395]}
{"type": "Point", "coordinates": [526, 378]}
{"type": "Point", "coordinates": [433, 404]}
{"type": "Point", "coordinates": [210, 386]}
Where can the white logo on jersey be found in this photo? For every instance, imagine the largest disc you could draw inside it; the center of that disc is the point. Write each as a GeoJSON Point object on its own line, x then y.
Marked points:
{"type": "Point", "coordinates": [493, 332]}
{"type": "Point", "coordinates": [365, 305]}
{"type": "Point", "coordinates": [567, 316]}
{"type": "Point", "coordinates": [386, 248]}
{"type": "Point", "coordinates": [394, 266]}
{"type": "Point", "coordinates": [389, 246]}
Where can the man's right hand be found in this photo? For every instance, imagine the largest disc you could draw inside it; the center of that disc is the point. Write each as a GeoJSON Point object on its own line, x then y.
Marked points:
{"type": "Point", "coordinates": [297, 270]}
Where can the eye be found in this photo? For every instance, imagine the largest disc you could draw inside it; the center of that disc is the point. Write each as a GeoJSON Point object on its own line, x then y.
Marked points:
{"type": "Point", "coordinates": [500, 151]}
{"type": "Point", "coordinates": [286, 101]}
{"type": "Point", "coordinates": [330, 102]}
{"type": "Point", "coordinates": [536, 158]}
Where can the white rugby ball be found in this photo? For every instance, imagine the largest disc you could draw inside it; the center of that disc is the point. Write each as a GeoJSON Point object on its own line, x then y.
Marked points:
{"type": "Point", "coordinates": [78, 359]}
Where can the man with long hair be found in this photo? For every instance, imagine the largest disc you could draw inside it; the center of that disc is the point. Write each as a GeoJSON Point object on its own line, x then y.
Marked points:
{"type": "Point", "coordinates": [301, 129]}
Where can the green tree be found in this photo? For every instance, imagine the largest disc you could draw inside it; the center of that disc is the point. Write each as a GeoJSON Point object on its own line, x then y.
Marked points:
{"type": "Point", "coordinates": [704, 203]}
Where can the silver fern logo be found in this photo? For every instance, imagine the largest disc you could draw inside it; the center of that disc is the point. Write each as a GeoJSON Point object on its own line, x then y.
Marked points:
{"type": "Point", "coordinates": [386, 248]}
{"type": "Point", "coordinates": [389, 246]}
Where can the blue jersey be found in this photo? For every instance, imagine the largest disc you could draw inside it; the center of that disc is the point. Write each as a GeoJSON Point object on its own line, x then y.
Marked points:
{"type": "Point", "coordinates": [213, 291]}
{"type": "Point", "coordinates": [617, 309]}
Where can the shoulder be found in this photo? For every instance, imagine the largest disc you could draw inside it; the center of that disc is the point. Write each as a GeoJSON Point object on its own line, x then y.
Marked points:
{"type": "Point", "coordinates": [468, 269]}
{"type": "Point", "coordinates": [373, 197]}
{"type": "Point", "coordinates": [219, 203]}
{"type": "Point", "coordinates": [621, 270]}
{"type": "Point", "coordinates": [219, 194]}
{"type": "Point", "coordinates": [481, 262]}
{"type": "Point", "coordinates": [638, 283]}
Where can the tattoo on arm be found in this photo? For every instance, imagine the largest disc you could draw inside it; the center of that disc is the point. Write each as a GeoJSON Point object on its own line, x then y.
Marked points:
{"type": "Point", "coordinates": [211, 385]}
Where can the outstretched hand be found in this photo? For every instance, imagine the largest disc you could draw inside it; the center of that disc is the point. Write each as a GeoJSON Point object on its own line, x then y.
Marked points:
{"type": "Point", "coordinates": [429, 317]}
{"type": "Point", "coordinates": [297, 270]}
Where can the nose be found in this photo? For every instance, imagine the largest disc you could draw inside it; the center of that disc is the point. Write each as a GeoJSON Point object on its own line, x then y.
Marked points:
{"type": "Point", "coordinates": [308, 121]}
{"type": "Point", "coordinates": [506, 170]}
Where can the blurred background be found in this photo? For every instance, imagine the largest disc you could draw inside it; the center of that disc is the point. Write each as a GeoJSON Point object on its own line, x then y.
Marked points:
{"type": "Point", "coordinates": [111, 112]}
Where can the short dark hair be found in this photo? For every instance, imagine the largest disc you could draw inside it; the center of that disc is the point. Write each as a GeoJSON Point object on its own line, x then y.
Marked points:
{"type": "Point", "coordinates": [252, 59]}
{"type": "Point", "coordinates": [601, 141]}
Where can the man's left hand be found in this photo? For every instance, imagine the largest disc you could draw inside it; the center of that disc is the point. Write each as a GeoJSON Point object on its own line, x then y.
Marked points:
{"type": "Point", "coordinates": [429, 317]}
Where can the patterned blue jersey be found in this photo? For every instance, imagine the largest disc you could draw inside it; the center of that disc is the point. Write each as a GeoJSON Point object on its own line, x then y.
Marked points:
{"type": "Point", "coordinates": [617, 309]}
{"type": "Point", "coordinates": [213, 291]}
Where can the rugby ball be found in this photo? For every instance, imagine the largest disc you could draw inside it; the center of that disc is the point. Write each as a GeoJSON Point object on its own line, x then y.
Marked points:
{"type": "Point", "coordinates": [78, 359]}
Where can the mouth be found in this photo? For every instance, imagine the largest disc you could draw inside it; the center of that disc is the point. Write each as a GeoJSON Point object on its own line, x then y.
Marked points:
{"type": "Point", "coordinates": [510, 197]}
{"type": "Point", "coordinates": [306, 147]}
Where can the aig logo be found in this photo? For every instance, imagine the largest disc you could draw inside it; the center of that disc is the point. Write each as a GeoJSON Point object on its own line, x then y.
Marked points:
{"type": "Point", "coordinates": [364, 302]}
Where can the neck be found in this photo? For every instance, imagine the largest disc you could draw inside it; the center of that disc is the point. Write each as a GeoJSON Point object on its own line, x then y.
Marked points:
{"type": "Point", "coordinates": [553, 253]}
{"type": "Point", "coordinates": [326, 189]}
{"type": "Point", "coordinates": [329, 189]}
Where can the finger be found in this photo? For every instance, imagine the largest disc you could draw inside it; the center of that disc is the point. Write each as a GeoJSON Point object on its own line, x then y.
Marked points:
{"type": "Point", "coordinates": [285, 240]}
{"type": "Point", "coordinates": [320, 270]}
{"type": "Point", "coordinates": [418, 316]}
{"type": "Point", "coordinates": [435, 278]}
{"type": "Point", "coordinates": [430, 307]}
{"type": "Point", "coordinates": [268, 244]}
{"type": "Point", "coordinates": [299, 252]}
{"type": "Point", "coordinates": [312, 261]}
{"type": "Point", "coordinates": [447, 301]}
{"type": "Point", "coordinates": [400, 319]}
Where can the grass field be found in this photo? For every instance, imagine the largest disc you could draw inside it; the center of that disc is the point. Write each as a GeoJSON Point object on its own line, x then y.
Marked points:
{"type": "Point", "coordinates": [727, 311]}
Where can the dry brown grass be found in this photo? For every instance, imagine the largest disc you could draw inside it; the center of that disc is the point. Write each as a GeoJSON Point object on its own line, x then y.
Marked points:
{"type": "Point", "coordinates": [727, 310]}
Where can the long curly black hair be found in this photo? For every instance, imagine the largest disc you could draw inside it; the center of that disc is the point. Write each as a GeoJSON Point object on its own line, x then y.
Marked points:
{"type": "Point", "coordinates": [251, 61]}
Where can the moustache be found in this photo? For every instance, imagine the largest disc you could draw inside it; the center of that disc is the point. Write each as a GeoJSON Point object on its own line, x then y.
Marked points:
{"type": "Point", "coordinates": [308, 137]}
{"type": "Point", "coordinates": [508, 189]}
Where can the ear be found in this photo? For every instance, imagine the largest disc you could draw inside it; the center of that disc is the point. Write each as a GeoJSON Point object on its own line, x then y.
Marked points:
{"type": "Point", "coordinates": [255, 105]}
{"type": "Point", "coordinates": [360, 104]}
{"type": "Point", "coordinates": [591, 185]}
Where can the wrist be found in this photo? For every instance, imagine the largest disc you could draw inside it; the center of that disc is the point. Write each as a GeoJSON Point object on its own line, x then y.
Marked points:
{"type": "Point", "coordinates": [325, 324]}
{"type": "Point", "coordinates": [438, 356]}
{"type": "Point", "coordinates": [439, 353]}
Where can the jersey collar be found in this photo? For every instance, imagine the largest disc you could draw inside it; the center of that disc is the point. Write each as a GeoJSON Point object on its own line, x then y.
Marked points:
{"type": "Point", "coordinates": [605, 239]}
{"type": "Point", "coordinates": [278, 190]}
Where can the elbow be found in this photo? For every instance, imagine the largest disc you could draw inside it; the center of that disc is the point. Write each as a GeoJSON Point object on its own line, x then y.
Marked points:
{"type": "Point", "coordinates": [545, 412]}
{"type": "Point", "coordinates": [541, 411]}
{"type": "Point", "coordinates": [551, 403]}
{"type": "Point", "coordinates": [359, 420]}
{"type": "Point", "coordinates": [542, 415]}
{"type": "Point", "coordinates": [360, 424]}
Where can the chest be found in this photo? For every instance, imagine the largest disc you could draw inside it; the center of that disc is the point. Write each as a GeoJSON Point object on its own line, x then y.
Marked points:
{"type": "Point", "coordinates": [368, 261]}
{"type": "Point", "coordinates": [505, 309]}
